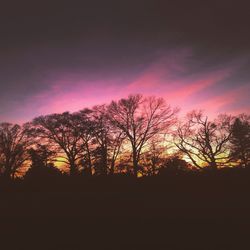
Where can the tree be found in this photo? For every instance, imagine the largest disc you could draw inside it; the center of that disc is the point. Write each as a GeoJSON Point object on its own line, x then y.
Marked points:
{"type": "Point", "coordinates": [174, 165]}
{"type": "Point", "coordinates": [240, 141]}
{"type": "Point", "coordinates": [204, 141]}
{"type": "Point", "coordinates": [42, 167]}
{"type": "Point", "coordinates": [116, 143]}
{"type": "Point", "coordinates": [107, 139]}
{"type": "Point", "coordinates": [101, 135]}
{"type": "Point", "coordinates": [41, 156]}
{"type": "Point", "coordinates": [62, 132]}
{"type": "Point", "coordinates": [13, 148]}
{"type": "Point", "coordinates": [85, 130]}
{"type": "Point", "coordinates": [154, 156]}
{"type": "Point", "coordinates": [140, 119]}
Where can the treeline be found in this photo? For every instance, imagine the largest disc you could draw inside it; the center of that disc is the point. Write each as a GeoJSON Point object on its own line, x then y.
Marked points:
{"type": "Point", "coordinates": [137, 136]}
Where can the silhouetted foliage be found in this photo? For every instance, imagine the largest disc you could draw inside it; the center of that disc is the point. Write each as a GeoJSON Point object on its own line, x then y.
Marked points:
{"type": "Point", "coordinates": [197, 171]}
{"type": "Point", "coordinates": [132, 136]}
{"type": "Point", "coordinates": [41, 156]}
{"type": "Point", "coordinates": [153, 157]}
{"type": "Point", "coordinates": [42, 173]}
{"type": "Point", "coordinates": [174, 166]}
{"type": "Point", "coordinates": [240, 141]}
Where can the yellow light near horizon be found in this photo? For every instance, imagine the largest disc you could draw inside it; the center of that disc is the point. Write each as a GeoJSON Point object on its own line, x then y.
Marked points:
{"type": "Point", "coordinates": [61, 165]}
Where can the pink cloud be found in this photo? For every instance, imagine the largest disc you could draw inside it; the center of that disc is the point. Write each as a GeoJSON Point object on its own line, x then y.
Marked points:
{"type": "Point", "coordinates": [192, 87]}
{"type": "Point", "coordinates": [83, 94]}
{"type": "Point", "coordinates": [164, 69]}
{"type": "Point", "coordinates": [168, 77]}
{"type": "Point", "coordinates": [218, 104]}
{"type": "Point", "coordinates": [179, 91]}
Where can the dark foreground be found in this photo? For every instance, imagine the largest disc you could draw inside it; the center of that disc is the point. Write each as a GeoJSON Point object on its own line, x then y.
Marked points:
{"type": "Point", "coordinates": [183, 212]}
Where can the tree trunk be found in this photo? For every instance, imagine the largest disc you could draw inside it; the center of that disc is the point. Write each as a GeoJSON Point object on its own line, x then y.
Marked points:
{"type": "Point", "coordinates": [73, 170]}
{"type": "Point", "coordinates": [135, 163]}
{"type": "Point", "coordinates": [112, 167]}
{"type": "Point", "coordinates": [105, 162]}
{"type": "Point", "coordinates": [89, 162]}
{"type": "Point", "coordinates": [7, 173]}
{"type": "Point", "coordinates": [213, 165]}
{"type": "Point", "coordinates": [153, 167]}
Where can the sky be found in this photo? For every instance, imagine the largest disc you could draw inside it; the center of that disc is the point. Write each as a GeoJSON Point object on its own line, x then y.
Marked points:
{"type": "Point", "coordinates": [58, 56]}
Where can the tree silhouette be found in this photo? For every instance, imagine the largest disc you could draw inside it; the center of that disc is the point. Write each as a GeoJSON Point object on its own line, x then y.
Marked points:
{"type": "Point", "coordinates": [154, 156]}
{"type": "Point", "coordinates": [41, 155]}
{"type": "Point", "coordinates": [101, 134]}
{"type": "Point", "coordinates": [13, 148]}
{"type": "Point", "coordinates": [174, 165]}
{"type": "Point", "coordinates": [85, 130]}
{"type": "Point", "coordinates": [141, 119]}
{"type": "Point", "coordinates": [240, 141]}
{"type": "Point", "coordinates": [108, 140]}
{"type": "Point", "coordinates": [40, 174]}
{"type": "Point", "coordinates": [62, 132]}
{"type": "Point", "coordinates": [204, 141]}
{"type": "Point", "coordinates": [127, 136]}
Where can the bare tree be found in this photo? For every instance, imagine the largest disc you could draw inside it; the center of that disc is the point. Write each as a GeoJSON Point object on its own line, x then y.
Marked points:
{"type": "Point", "coordinates": [141, 119]}
{"type": "Point", "coordinates": [116, 143]}
{"type": "Point", "coordinates": [85, 130]}
{"type": "Point", "coordinates": [61, 131]}
{"type": "Point", "coordinates": [108, 140]}
{"type": "Point", "coordinates": [204, 141]}
{"type": "Point", "coordinates": [13, 148]}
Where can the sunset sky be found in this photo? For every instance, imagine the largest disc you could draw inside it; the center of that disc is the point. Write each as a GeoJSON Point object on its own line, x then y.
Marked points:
{"type": "Point", "coordinates": [67, 55]}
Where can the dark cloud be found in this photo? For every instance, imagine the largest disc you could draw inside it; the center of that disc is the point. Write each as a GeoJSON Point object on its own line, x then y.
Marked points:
{"type": "Point", "coordinates": [40, 40]}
